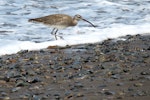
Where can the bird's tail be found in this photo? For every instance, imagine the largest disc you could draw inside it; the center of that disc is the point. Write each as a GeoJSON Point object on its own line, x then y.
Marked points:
{"type": "Point", "coordinates": [32, 20]}
{"type": "Point", "coordinates": [35, 20]}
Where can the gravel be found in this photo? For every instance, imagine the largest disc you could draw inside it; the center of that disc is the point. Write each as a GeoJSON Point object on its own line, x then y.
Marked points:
{"type": "Point", "coordinates": [110, 70]}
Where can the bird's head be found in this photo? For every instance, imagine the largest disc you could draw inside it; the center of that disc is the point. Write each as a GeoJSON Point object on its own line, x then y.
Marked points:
{"type": "Point", "coordinates": [79, 17]}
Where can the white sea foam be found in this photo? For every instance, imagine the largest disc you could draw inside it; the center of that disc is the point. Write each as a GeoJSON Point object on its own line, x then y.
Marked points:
{"type": "Point", "coordinates": [113, 18]}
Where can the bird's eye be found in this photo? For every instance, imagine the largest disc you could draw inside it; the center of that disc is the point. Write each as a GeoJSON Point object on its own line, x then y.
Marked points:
{"type": "Point", "coordinates": [79, 16]}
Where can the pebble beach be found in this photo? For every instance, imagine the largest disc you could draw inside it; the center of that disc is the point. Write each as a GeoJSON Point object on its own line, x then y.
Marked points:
{"type": "Point", "coordinates": [115, 69]}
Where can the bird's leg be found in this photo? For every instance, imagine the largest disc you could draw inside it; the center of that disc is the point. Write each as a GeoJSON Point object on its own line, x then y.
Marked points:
{"type": "Point", "coordinates": [56, 31]}
{"type": "Point", "coordinates": [53, 31]}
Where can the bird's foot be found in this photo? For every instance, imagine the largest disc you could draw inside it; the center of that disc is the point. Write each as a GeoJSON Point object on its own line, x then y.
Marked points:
{"type": "Point", "coordinates": [59, 37]}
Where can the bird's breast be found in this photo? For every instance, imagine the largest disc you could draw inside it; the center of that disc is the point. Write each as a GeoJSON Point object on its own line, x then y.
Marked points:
{"type": "Point", "coordinates": [58, 26]}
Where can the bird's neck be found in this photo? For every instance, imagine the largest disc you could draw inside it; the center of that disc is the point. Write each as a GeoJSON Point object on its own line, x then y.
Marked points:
{"type": "Point", "coordinates": [74, 22]}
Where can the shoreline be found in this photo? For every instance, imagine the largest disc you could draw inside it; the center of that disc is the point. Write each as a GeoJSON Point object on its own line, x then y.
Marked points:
{"type": "Point", "coordinates": [110, 70]}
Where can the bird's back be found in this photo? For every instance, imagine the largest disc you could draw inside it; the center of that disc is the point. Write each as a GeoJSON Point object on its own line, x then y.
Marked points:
{"type": "Point", "coordinates": [55, 20]}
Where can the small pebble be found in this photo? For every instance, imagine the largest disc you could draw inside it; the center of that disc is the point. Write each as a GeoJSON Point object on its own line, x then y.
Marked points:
{"type": "Point", "coordinates": [109, 92]}
{"type": "Point", "coordinates": [16, 89]}
{"type": "Point", "coordinates": [115, 76]}
{"type": "Point", "coordinates": [33, 80]}
{"type": "Point", "coordinates": [141, 93]}
{"type": "Point", "coordinates": [144, 73]}
{"type": "Point", "coordinates": [138, 84]}
{"type": "Point", "coordinates": [4, 94]}
{"type": "Point", "coordinates": [35, 97]}
{"type": "Point", "coordinates": [120, 84]}
{"type": "Point", "coordinates": [24, 97]}
{"type": "Point", "coordinates": [2, 82]}
{"type": "Point", "coordinates": [5, 98]}
{"type": "Point", "coordinates": [79, 95]}
{"type": "Point", "coordinates": [34, 87]}
{"type": "Point", "coordinates": [57, 96]}
{"type": "Point", "coordinates": [78, 85]}
{"type": "Point", "coordinates": [21, 83]}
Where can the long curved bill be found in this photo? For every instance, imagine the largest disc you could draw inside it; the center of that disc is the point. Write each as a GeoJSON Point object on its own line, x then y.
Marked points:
{"type": "Point", "coordinates": [88, 22]}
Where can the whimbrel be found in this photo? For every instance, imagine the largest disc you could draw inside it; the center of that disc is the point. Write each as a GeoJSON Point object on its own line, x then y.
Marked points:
{"type": "Point", "coordinates": [59, 21]}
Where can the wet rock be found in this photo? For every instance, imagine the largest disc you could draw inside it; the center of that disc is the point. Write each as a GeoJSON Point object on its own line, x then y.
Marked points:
{"type": "Point", "coordinates": [13, 74]}
{"type": "Point", "coordinates": [126, 70]}
{"type": "Point", "coordinates": [4, 94]}
{"type": "Point", "coordinates": [35, 97]}
{"type": "Point", "coordinates": [120, 84]}
{"type": "Point", "coordinates": [30, 72]}
{"type": "Point", "coordinates": [78, 85]}
{"type": "Point", "coordinates": [109, 92]}
{"type": "Point", "coordinates": [120, 95]}
{"type": "Point", "coordinates": [103, 86]}
{"type": "Point", "coordinates": [57, 96]}
{"type": "Point", "coordinates": [35, 88]}
{"type": "Point", "coordinates": [5, 98]}
{"type": "Point", "coordinates": [141, 93]}
{"type": "Point", "coordinates": [33, 80]}
{"type": "Point", "coordinates": [77, 67]}
{"type": "Point", "coordinates": [68, 97]}
{"type": "Point", "coordinates": [45, 97]}
{"type": "Point", "coordinates": [130, 89]}
{"type": "Point", "coordinates": [79, 95]}
{"type": "Point", "coordinates": [68, 94]}
{"type": "Point", "coordinates": [16, 89]}
{"type": "Point", "coordinates": [2, 82]}
{"type": "Point", "coordinates": [147, 77]}
{"type": "Point", "coordinates": [23, 51]}
{"type": "Point", "coordinates": [24, 97]}
{"type": "Point", "coordinates": [138, 84]}
{"type": "Point", "coordinates": [117, 76]}
{"type": "Point", "coordinates": [21, 83]}
{"type": "Point", "coordinates": [145, 73]}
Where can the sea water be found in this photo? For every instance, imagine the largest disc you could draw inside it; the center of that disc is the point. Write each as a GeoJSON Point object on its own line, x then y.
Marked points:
{"type": "Point", "coordinates": [113, 18]}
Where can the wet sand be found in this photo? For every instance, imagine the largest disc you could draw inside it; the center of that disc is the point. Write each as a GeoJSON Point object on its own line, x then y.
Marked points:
{"type": "Point", "coordinates": [110, 70]}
